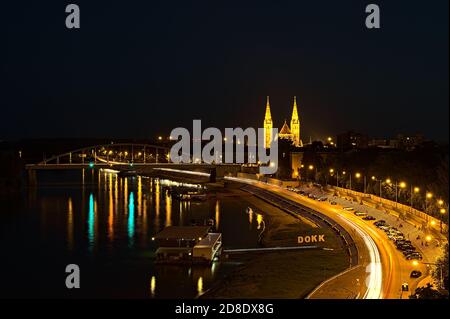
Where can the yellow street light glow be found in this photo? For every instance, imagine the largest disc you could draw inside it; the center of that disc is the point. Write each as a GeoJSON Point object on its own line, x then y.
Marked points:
{"type": "Point", "coordinates": [358, 175]}
{"type": "Point", "coordinates": [429, 195]}
{"type": "Point", "coordinates": [415, 263]}
{"type": "Point", "coordinates": [329, 139]}
{"type": "Point", "coordinates": [428, 238]}
{"type": "Point", "coordinates": [416, 189]}
{"type": "Point", "coordinates": [331, 170]}
{"type": "Point", "coordinates": [374, 178]}
{"type": "Point", "coordinates": [442, 210]}
{"type": "Point", "coordinates": [440, 202]}
{"type": "Point", "coordinates": [310, 167]}
{"type": "Point", "coordinates": [344, 172]}
{"type": "Point", "coordinates": [433, 222]}
{"type": "Point", "coordinates": [402, 184]}
{"type": "Point", "coordinates": [160, 138]}
{"type": "Point", "coordinates": [388, 180]}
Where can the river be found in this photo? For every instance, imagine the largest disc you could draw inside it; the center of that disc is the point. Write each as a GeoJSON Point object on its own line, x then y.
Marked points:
{"type": "Point", "coordinates": [104, 224]}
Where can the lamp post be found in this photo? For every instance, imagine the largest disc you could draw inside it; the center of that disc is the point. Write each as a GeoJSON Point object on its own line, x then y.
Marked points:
{"type": "Point", "coordinates": [379, 181]}
{"type": "Point", "coordinates": [442, 211]}
{"type": "Point", "coordinates": [413, 190]}
{"type": "Point", "coordinates": [427, 196]}
{"type": "Point", "coordinates": [358, 175]}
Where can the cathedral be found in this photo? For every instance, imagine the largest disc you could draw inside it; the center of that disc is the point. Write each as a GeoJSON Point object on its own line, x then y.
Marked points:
{"type": "Point", "coordinates": [291, 133]}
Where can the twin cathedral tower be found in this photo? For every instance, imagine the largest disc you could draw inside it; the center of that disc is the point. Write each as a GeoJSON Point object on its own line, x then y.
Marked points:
{"type": "Point", "coordinates": [291, 133]}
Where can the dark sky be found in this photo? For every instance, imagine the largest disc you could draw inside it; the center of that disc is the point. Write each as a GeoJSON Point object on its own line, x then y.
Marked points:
{"type": "Point", "coordinates": [141, 68]}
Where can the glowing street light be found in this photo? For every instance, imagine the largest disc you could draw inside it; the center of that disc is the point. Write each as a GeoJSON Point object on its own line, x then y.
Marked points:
{"type": "Point", "coordinates": [331, 170]}
{"type": "Point", "coordinates": [440, 202]}
{"type": "Point", "coordinates": [416, 189]}
{"type": "Point", "coordinates": [429, 195]}
{"type": "Point", "coordinates": [310, 167]}
{"type": "Point", "coordinates": [402, 184]}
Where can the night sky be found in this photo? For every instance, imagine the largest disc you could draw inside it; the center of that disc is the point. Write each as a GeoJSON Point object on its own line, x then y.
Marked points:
{"type": "Point", "coordinates": [136, 69]}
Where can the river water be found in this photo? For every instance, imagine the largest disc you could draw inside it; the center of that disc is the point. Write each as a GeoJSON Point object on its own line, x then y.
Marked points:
{"type": "Point", "coordinates": [104, 224]}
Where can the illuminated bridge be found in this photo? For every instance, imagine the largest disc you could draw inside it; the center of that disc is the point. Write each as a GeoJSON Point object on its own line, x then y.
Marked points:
{"type": "Point", "coordinates": [142, 158]}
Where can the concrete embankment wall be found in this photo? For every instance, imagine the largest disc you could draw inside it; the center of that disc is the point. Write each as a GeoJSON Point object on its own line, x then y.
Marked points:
{"type": "Point", "coordinates": [402, 211]}
{"type": "Point", "coordinates": [405, 212]}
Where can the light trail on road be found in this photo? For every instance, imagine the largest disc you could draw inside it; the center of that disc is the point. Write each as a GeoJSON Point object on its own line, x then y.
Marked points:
{"type": "Point", "coordinates": [374, 284]}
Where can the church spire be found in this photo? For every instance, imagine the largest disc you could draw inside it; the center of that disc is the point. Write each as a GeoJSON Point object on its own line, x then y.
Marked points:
{"type": "Point", "coordinates": [268, 115]}
{"type": "Point", "coordinates": [295, 125]}
{"type": "Point", "coordinates": [268, 125]}
{"type": "Point", "coordinates": [295, 111]}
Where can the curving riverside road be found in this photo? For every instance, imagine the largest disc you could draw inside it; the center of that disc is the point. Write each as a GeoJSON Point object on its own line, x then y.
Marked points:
{"type": "Point", "coordinates": [381, 268]}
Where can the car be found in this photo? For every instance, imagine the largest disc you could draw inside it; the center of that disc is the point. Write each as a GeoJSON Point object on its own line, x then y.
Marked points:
{"type": "Point", "coordinates": [322, 199]}
{"type": "Point", "coordinates": [407, 252]}
{"type": "Point", "coordinates": [383, 227]}
{"type": "Point", "coordinates": [415, 274]}
{"type": "Point", "coordinates": [368, 217]}
{"type": "Point", "coordinates": [379, 223]}
{"type": "Point", "coordinates": [348, 208]}
{"type": "Point", "coordinates": [414, 256]}
{"type": "Point", "coordinates": [360, 214]}
{"type": "Point", "coordinates": [333, 203]}
{"type": "Point", "coordinates": [312, 196]}
{"type": "Point", "coordinates": [391, 237]}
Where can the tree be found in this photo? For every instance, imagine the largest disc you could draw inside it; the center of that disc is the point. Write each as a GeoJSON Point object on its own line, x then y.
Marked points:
{"type": "Point", "coordinates": [443, 266]}
{"type": "Point", "coordinates": [427, 292]}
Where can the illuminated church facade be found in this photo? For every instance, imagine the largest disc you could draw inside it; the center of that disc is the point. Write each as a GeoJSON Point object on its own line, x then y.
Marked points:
{"type": "Point", "coordinates": [290, 133]}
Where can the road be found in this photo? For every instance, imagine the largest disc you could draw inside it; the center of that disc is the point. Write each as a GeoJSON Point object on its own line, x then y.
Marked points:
{"type": "Point", "coordinates": [382, 268]}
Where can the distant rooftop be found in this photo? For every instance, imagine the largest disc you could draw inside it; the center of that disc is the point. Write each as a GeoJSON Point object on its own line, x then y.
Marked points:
{"type": "Point", "coordinates": [183, 232]}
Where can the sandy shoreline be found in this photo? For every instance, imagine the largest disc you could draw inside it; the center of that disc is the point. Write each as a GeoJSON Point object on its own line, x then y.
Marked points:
{"type": "Point", "coordinates": [287, 274]}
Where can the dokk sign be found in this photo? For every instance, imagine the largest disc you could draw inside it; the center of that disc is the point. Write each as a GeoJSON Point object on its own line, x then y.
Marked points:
{"type": "Point", "coordinates": [310, 239]}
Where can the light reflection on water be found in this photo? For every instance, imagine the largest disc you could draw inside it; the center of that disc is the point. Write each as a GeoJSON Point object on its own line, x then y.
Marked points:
{"type": "Point", "coordinates": [105, 223]}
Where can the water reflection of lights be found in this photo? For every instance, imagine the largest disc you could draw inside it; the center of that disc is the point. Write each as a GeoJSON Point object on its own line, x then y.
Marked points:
{"type": "Point", "coordinates": [259, 219]}
{"type": "Point", "coordinates": [152, 286]}
{"type": "Point", "coordinates": [108, 170]}
{"type": "Point", "coordinates": [70, 224]}
{"type": "Point", "coordinates": [217, 216]}
{"type": "Point", "coordinates": [200, 285]}
{"type": "Point", "coordinates": [168, 209]}
{"type": "Point", "coordinates": [131, 218]}
{"type": "Point", "coordinates": [91, 220]}
{"type": "Point", "coordinates": [167, 182]}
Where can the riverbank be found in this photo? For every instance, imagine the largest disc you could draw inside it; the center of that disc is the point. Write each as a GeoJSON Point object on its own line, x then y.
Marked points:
{"type": "Point", "coordinates": [287, 274]}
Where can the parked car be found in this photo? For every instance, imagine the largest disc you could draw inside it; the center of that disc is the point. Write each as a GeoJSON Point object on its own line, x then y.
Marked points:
{"type": "Point", "coordinates": [369, 217]}
{"type": "Point", "coordinates": [360, 214]}
{"type": "Point", "coordinates": [415, 274]}
{"type": "Point", "coordinates": [348, 208]}
{"type": "Point", "coordinates": [333, 203]}
{"type": "Point", "coordinates": [380, 222]}
{"type": "Point", "coordinates": [414, 256]}
{"type": "Point", "coordinates": [322, 199]}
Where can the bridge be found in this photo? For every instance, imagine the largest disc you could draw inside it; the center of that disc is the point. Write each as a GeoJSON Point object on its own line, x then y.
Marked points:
{"type": "Point", "coordinates": [142, 158]}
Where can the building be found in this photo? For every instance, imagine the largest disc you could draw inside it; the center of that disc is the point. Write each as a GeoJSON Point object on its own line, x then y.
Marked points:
{"type": "Point", "coordinates": [291, 133]}
{"type": "Point", "coordinates": [187, 244]}
{"type": "Point", "coordinates": [352, 140]}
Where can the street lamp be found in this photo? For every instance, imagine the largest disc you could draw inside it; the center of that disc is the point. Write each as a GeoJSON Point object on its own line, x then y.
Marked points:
{"type": "Point", "coordinates": [413, 190]}
{"type": "Point", "coordinates": [427, 196]}
{"type": "Point", "coordinates": [358, 175]}
{"type": "Point", "coordinates": [442, 211]}
{"type": "Point", "coordinates": [379, 181]}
